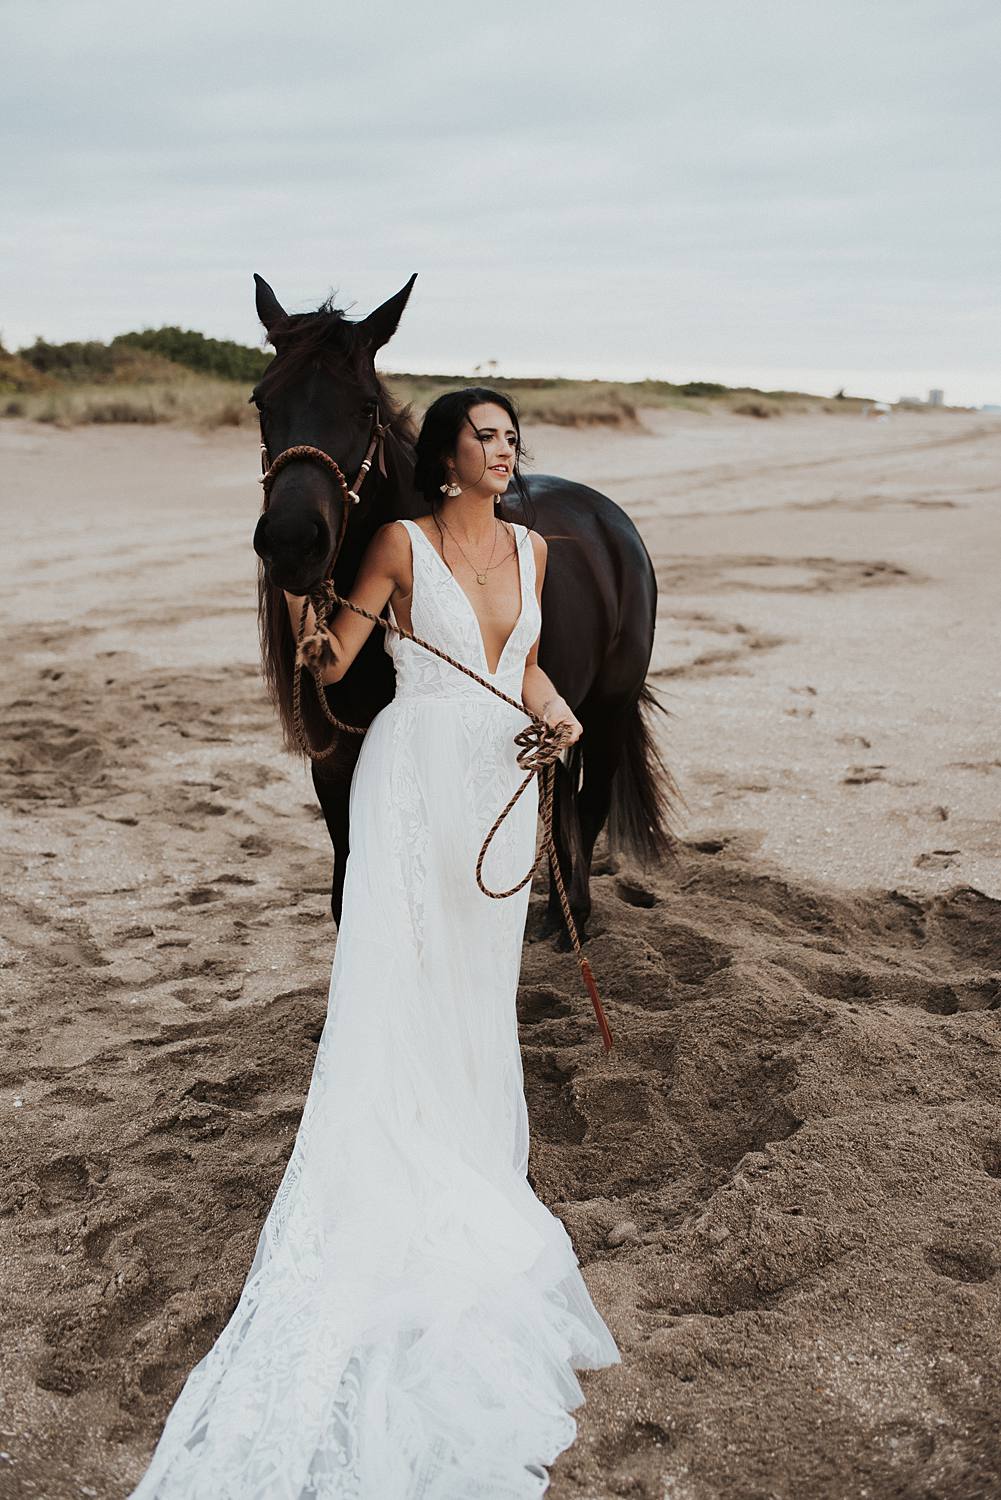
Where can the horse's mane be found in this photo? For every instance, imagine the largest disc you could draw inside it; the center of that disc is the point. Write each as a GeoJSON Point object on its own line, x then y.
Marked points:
{"type": "Point", "coordinates": [326, 338]}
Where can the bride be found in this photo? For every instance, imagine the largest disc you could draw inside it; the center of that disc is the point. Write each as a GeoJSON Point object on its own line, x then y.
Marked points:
{"type": "Point", "coordinates": [413, 1315]}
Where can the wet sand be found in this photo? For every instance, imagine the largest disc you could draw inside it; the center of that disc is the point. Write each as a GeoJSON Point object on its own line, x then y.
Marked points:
{"type": "Point", "coordinates": [784, 1182]}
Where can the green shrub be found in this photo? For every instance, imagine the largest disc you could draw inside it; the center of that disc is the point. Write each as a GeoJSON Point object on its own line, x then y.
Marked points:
{"type": "Point", "coordinates": [73, 361]}
{"type": "Point", "coordinates": [703, 388]}
{"type": "Point", "coordinates": [183, 346]}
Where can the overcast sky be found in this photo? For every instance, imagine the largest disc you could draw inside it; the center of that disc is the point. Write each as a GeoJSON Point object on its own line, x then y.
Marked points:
{"type": "Point", "coordinates": [783, 193]}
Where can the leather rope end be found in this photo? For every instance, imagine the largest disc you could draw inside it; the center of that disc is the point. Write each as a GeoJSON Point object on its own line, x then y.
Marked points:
{"type": "Point", "coordinates": [606, 1035]}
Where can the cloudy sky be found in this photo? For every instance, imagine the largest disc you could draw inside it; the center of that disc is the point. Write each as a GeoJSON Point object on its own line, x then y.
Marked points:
{"type": "Point", "coordinates": [783, 193]}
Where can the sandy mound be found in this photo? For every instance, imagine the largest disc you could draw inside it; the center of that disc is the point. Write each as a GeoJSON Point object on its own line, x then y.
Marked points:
{"type": "Point", "coordinates": [783, 1181]}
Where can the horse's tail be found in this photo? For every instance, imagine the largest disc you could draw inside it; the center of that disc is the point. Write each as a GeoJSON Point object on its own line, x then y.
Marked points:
{"type": "Point", "coordinates": [644, 816]}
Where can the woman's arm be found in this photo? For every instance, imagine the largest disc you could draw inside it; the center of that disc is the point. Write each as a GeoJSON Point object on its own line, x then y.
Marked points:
{"type": "Point", "coordinates": [383, 566]}
{"type": "Point", "coordinates": [538, 692]}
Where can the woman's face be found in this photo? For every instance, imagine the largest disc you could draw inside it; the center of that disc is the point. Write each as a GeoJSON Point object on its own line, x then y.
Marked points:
{"type": "Point", "coordinates": [485, 451]}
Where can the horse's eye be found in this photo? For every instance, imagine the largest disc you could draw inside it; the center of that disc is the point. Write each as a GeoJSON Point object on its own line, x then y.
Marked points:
{"type": "Point", "coordinates": [369, 406]}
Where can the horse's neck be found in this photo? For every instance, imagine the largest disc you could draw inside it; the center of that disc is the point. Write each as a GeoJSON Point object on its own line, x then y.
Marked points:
{"type": "Point", "coordinates": [383, 498]}
{"type": "Point", "coordinates": [398, 498]}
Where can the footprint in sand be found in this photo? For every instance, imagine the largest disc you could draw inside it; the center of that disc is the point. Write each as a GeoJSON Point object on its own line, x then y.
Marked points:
{"type": "Point", "coordinates": [937, 859]}
{"type": "Point", "coordinates": [69, 1179]}
{"type": "Point", "coordinates": [200, 896]}
{"type": "Point", "coordinates": [691, 956]}
{"type": "Point", "coordinates": [710, 846]}
{"type": "Point", "coordinates": [255, 845]}
{"type": "Point", "coordinates": [761, 573]}
{"type": "Point", "coordinates": [552, 1105]}
{"type": "Point", "coordinates": [634, 894]}
{"type": "Point", "coordinates": [935, 814]}
{"type": "Point", "coordinates": [539, 1003]}
{"type": "Point", "coordinates": [992, 1159]}
{"type": "Point", "coordinates": [201, 808]}
{"type": "Point", "coordinates": [963, 1262]}
{"type": "Point", "coordinates": [862, 775]}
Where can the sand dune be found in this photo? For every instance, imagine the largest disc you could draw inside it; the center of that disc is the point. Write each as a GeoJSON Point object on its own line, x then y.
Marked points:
{"type": "Point", "coordinates": [783, 1181]}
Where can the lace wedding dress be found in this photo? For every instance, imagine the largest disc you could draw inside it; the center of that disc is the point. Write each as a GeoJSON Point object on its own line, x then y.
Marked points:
{"type": "Point", "coordinates": [413, 1315]}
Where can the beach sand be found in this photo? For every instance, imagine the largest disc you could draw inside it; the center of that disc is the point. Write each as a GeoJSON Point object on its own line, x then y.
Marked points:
{"type": "Point", "coordinates": [784, 1182]}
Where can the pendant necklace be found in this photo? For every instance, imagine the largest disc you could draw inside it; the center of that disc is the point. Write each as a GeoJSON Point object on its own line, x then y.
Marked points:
{"type": "Point", "coordinates": [481, 576]}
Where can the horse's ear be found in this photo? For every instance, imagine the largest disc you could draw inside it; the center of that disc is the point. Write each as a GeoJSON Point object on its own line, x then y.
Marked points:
{"type": "Point", "coordinates": [269, 309]}
{"type": "Point", "coordinates": [378, 328]}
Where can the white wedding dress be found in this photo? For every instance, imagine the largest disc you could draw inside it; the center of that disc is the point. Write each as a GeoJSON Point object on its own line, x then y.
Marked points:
{"type": "Point", "coordinates": [413, 1315]}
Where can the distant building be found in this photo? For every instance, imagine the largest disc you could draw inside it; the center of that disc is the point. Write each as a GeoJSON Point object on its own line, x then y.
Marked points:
{"type": "Point", "coordinates": [910, 401]}
{"type": "Point", "coordinates": [992, 408]}
{"type": "Point", "coordinates": [936, 398]}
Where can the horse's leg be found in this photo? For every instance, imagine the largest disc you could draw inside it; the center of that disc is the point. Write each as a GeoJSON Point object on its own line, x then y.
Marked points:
{"type": "Point", "coordinates": [566, 837]}
{"type": "Point", "coordinates": [603, 741]}
{"type": "Point", "coordinates": [332, 794]}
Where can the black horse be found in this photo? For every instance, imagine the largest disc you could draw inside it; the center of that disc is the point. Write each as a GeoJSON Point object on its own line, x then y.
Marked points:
{"type": "Point", "coordinates": [599, 598]}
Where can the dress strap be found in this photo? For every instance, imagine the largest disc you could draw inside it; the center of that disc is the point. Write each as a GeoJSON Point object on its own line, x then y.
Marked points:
{"type": "Point", "coordinates": [526, 555]}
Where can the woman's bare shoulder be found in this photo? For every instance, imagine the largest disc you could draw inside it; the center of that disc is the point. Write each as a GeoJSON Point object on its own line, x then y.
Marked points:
{"type": "Point", "coordinates": [388, 551]}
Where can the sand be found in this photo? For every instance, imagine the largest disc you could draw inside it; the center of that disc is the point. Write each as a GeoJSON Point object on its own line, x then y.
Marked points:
{"type": "Point", "coordinates": [784, 1182]}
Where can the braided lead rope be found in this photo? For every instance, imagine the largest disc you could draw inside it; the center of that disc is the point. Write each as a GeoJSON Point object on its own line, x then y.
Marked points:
{"type": "Point", "coordinates": [541, 744]}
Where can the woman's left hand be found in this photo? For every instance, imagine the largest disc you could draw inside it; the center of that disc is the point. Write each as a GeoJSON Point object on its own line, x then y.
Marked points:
{"type": "Point", "coordinates": [562, 713]}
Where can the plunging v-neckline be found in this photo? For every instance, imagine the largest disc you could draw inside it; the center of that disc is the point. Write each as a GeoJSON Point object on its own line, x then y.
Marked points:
{"type": "Point", "coordinates": [469, 603]}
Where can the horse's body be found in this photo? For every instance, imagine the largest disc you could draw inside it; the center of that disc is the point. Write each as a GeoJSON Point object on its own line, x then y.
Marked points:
{"type": "Point", "coordinates": [598, 604]}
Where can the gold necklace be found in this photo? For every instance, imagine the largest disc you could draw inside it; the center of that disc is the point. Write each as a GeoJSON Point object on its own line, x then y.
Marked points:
{"type": "Point", "coordinates": [481, 577]}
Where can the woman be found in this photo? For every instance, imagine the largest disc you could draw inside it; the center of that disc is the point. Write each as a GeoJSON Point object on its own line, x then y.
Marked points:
{"type": "Point", "coordinates": [413, 1316]}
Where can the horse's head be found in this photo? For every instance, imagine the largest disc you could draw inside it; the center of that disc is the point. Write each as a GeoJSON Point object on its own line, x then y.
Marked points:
{"type": "Point", "coordinates": [320, 389]}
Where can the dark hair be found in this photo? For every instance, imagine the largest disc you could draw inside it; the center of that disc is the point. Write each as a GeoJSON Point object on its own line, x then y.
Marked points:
{"type": "Point", "coordinates": [439, 435]}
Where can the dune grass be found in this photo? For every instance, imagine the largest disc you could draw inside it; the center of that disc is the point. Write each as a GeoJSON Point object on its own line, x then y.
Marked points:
{"type": "Point", "coordinates": [187, 400]}
{"type": "Point", "coordinates": [177, 376]}
{"type": "Point", "coordinates": [203, 402]}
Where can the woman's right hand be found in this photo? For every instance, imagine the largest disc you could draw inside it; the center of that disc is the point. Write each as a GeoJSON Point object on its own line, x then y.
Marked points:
{"type": "Point", "coordinates": [316, 650]}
